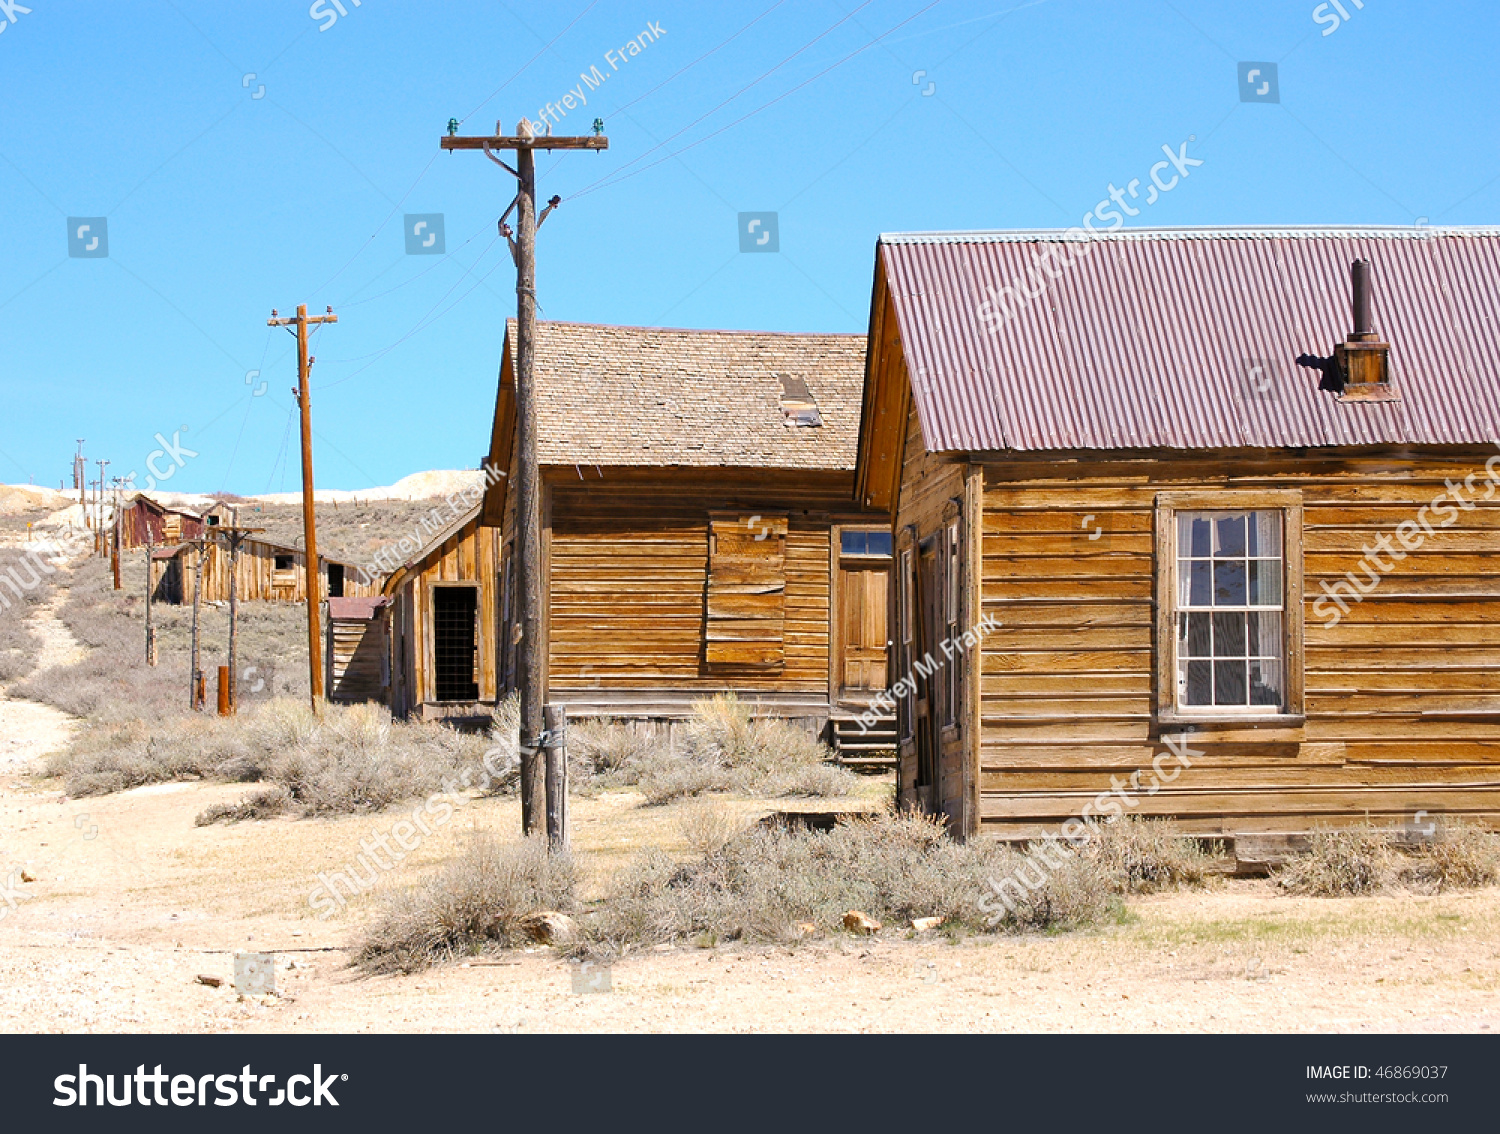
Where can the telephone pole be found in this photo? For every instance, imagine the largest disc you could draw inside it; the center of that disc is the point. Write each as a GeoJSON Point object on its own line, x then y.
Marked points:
{"type": "Point", "coordinates": [309, 518]}
{"type": "Point", "coordinates": [101, 548]}
{"type": "Point", "coordinates": [531, 664]}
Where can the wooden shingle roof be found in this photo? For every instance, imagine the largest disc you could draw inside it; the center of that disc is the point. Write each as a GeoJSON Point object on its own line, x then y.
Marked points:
{"type": "Point", "coordinates": [652, 397]}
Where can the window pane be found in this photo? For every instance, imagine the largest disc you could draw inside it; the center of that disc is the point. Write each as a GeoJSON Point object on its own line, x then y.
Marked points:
{"type": "Point", "coordinates": [1229, 583]}
{"type": "Point", "coordinates": [1199, 583]}
{"type": "Point", "coordinates": [1199, 689]}
{"type": "Point", "coordinates": [1266, 687]}
{"type": "Point", "coordinates": [1229, 635]}
{"type": "Point", "coordinates": [1265, 535]}
{"type": "Point", "coordinates": [1193, 534]}
{"type": "Point", "coordinates": [1265, 634]}
{"type": "Point", "coordinates": [1265, 582]}
{"type": "Point", "coordinates": [1230, 535]}
{"type": "Point", "coordinates": [853, 543]}
{"type": "Point", "coordinates": [878, 543]}
{"type": "Point", "coordinates": [1193, 633]}
{"type": "Point", "coordinates": [1230, 683]}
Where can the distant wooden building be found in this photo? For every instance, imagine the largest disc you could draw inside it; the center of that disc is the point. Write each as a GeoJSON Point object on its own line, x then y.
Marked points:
{"type": "Point", "coordinates": [1224, 594]}
{"type": "Point", "coordinates": [358, 650]}
{"type": "Point", "coordinates": [444, 604]}
{"type": "Point", "coordinates": [266, 572]}
{"type": "Point", "coordinates": [699, 535]}
{"type": "Point", "coordinates": [146, 521]}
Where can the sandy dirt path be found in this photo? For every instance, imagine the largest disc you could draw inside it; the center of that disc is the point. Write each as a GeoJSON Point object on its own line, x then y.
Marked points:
{"type": "Point", "coordinates": [30, 731]}
{"type": "Point", "coordinates": [131, 903]}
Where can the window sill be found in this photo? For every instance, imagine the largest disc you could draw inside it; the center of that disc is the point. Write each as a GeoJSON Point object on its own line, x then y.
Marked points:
{"type": "Point", "coordinates": [1276, 720]}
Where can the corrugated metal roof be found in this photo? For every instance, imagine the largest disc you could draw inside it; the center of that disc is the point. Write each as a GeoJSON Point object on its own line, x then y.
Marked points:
{"type": "Point", "coordinates": [1147, 341]}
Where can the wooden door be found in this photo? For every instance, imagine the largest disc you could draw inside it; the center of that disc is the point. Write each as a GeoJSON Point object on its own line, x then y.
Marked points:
{"type": "Point", "coordinates": [862, 631]}
{"type": "Point", "coordinates": [926, 646]}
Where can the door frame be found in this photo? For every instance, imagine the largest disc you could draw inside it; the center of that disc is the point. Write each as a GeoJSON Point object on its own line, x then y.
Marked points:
{"type": "Point", "coordinates": [836, 611]}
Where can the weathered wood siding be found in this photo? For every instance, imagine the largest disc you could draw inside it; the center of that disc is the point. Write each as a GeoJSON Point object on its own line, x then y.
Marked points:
{"type": "Point", "coordinates": [358, 653]}
{"type": "Point", "coordinates": [1402, 709]}
{"type": "Point", "coordinates": [931, 498]}
{"type": "Point", "coordinates": [470, 555]}
{"type": "Point", "coordinates": [628, 557]}
{"type": "Point", "coordinates": [257, 578]}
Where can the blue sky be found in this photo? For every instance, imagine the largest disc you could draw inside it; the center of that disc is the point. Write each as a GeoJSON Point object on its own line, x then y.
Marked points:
{"type": "Point", "coordinates": [846, 118]}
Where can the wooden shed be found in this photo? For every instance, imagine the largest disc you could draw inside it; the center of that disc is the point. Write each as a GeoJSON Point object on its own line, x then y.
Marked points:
{"type": "Point", "coordinates": [1195, 583]}
{"type": "Point", "coordinates": [267, 572]}
{"type": "Point", "coordinates": [699, 530]}
{"type": "Point", "coordinates": [145, 520]}
{"type": "Point", "coordinates": [444, 603]}
{"type": "Point", "coordinates": [358, 650]}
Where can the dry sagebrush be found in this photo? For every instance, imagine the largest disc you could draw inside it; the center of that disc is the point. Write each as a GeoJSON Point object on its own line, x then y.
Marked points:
{"type": "Point", "coordinates": [1353, 861]}
{"type": "Point", "coordinates": [723, 748]}
{"type": "Point", "coordinates": [474, 902]}
{"type": "Point", "coordinates": [349, 759]}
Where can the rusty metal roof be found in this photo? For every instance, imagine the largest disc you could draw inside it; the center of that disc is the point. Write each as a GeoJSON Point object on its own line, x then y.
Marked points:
{"type": "Point", "coordinates": [1149, 340]}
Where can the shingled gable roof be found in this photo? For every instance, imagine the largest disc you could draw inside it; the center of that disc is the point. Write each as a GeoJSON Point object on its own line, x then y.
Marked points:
{"type": "Point", "coordinates": [659, 397]}
{"type": "Point", "coordinates": [1145, 342]}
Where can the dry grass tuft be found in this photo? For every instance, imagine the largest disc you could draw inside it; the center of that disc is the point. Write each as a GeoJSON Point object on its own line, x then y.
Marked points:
{"type": "Point", "coordinates": [724, 748]}
{"type": "Point", "coordinates": [476, 901]}
{"type": "Point", "coordinates": [707, 824]}
{"type": "Point", "coordinates": [260, 805]}
{"type": "Point", "coordinates": [1340, 862]}
{"type": "Point", "coordinates": [762, 884]}
{"type": "Point", "coordinates": [351, 759]}
{"type": "Point", "coordinates": [1144, 856]}
{"type": "Point", "coordinates": [1351, 861]}
{"type": "Point", "coordinates": [1464, 857]}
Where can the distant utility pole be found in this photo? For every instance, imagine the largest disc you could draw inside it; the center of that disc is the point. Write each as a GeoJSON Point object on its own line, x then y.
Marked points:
{"type": "Point", "coordinates": [531, 665]}
{"type": "Point", "coordinates": [229, 676]}
{"type": "Point", "coordinates": [309, 519]}
{"type": "Point", "coordinates": [114, 550]}
{"type": "Point", "coordinates": [150, 624]}
{"type": "Point", "coordinates": [80, 472]}
{"type": "Point", "coordinates": [100, 544]}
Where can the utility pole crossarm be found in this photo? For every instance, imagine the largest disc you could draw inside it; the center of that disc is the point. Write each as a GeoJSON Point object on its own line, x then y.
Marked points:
{"type": "Point", "coordinates": [538, 776]}
{"type": "Point", "coordinates": [518, 142]}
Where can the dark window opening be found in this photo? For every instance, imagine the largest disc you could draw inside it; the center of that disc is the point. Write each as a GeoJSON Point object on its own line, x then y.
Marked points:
{"type": "Point", "coordinates": [335, 580]}
{"type": "Point", "coordinates": [213, 521]}
{"type": "Point", "coordinates": [454, 641]}
{"type": "Point", "coordinates": [865, 543]}
{"type": "Point", "coordinates": [283, 563]}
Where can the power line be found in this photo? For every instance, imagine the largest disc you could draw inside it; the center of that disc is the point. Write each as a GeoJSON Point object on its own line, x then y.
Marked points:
{"type": "Point", "coordinates": [615, 178]}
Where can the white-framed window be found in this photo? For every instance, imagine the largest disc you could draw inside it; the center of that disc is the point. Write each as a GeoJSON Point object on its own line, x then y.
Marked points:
{"type": "Point", "coordinates": [1229, 596]}
{"type": "Point", "coordinates": [1231, 610]}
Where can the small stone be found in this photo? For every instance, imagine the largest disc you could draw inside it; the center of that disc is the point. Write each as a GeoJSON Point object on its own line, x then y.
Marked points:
{"type": "Point", "coordinates": [805, 929]}
{"type": "Point", "coordinates": [923, 924]}
{"type": "Point", "coordinates": [856, 922]}
{"type": "Point", "coordinates": [550, 928]}
{"type": "Point", "coordinates": [211, 981]}
{"type": "Point", "coordinates": [27, 876]}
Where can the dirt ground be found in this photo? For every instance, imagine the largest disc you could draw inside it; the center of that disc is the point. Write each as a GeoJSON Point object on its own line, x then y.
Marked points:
{"type": "Point", "coordinates": [128, 902]}
{"type": "Point", "coordinates": [131, 903]}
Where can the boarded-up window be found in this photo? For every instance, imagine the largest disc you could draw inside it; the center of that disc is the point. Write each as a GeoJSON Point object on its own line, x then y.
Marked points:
{"type": "Point", "coordinates": [746, 591]}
